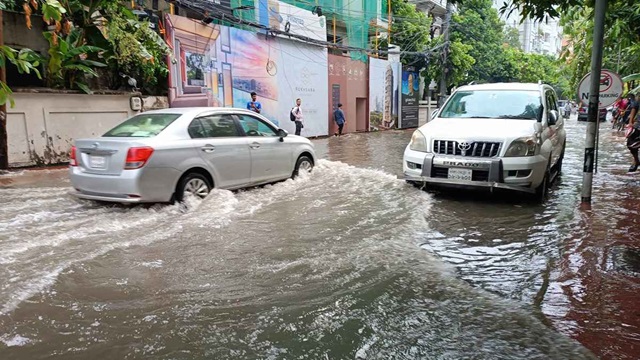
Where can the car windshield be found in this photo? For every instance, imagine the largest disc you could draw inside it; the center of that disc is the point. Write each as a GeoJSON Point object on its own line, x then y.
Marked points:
{"type": "Point", "coordinates": [143, 125]}
{"type": "Point", "coordinates": [494, 104]}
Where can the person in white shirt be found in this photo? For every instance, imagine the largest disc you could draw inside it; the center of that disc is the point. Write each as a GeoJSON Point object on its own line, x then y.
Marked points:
{"type": "Point", "coordinates": [297, 113]}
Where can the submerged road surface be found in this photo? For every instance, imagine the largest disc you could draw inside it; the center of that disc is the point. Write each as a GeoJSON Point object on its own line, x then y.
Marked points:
{"type": "Point", "coordinates": [347, 263]}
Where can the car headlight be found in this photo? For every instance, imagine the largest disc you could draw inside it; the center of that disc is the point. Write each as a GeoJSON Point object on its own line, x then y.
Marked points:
{"type": "Point", "coordinates": [526, 146]}
{"type": "Point", "coordinates": [418, 142]}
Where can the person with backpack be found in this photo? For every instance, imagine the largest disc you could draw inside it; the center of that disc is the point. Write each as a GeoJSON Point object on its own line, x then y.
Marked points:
{"type": "Point", "coordinates": [338, 117]}
{"type": "Point", "coordinates": [296, 116]}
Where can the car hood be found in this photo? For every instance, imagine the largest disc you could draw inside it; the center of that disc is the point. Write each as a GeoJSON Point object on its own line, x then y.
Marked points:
{"type": "Point", "coordinates": [477, 129]}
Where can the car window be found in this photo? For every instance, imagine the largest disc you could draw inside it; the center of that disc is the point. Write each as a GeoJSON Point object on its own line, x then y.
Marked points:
{"type": "Point", "coordinates": [212, 126]}
{"type": "Point", "coordinates": [551, 101]}
{"type": "Point", "coordinates": [143, 125]}
{"type": "Point", "coordinates": [253, 126]}
{"type": "Point", "coordinates": [501, 104]}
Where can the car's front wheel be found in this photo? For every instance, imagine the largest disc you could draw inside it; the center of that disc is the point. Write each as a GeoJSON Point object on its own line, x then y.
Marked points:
{"type": "Point", "coordinates": [543, 189]}
{"type": "Point", "coordinates": [194, 184]}
{"type": "Point", "coordinates": [303, 165]}
{"type": "Point", "coordinates": [559, 163]}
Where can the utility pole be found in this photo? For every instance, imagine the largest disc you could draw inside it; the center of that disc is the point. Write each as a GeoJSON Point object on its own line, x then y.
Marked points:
{"type": "Point", "coordinates": [4, 146]}
{"type": "Point", "coordinates": [445, 52]}
{"type": "Point", "coordinates": [594, 99]}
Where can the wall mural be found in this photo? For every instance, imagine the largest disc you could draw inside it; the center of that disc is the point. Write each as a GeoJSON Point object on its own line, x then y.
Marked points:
{"type": "Point", "coordinates": [225, 68]}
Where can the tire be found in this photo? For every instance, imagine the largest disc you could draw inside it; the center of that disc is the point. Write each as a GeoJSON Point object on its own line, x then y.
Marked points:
{"type": "Point", "coordinates": [543, 189]}
{"type": "Point", "coordinates": [304, 164]}
{"type": "Point", "coordinates": [559, 163]}
{"type": "Point", "coordinates": [417, 184]}
{"type": "Point", "coordinates": [194, 183]}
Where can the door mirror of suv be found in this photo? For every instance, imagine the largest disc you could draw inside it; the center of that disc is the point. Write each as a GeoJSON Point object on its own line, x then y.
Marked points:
{"type": "Point", "coordinates": [553, 117]}
{"type": "Point", "coordinates": [282, 133]}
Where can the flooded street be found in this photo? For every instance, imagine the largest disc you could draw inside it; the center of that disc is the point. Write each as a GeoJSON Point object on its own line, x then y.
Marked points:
{"type": "Point", "coordinates": [346, 263]}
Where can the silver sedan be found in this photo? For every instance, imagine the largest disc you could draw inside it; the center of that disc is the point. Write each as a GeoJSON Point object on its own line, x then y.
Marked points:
{"type": "Point", "coordinates": [160, 155]}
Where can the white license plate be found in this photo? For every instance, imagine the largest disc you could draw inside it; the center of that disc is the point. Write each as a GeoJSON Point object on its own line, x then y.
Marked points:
{"type": "Point", "coordinates": [459, 174]}
{"type": "Point", "coordinates": [97, 162]}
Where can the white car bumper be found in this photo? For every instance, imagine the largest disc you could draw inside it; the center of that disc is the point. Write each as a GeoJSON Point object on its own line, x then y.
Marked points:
{"type": "Point", "coordinates": [516, 173]}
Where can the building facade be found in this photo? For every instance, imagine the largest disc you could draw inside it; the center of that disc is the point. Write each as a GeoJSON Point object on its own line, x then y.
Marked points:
{"type": "Point", "coordinates": [543, 37]}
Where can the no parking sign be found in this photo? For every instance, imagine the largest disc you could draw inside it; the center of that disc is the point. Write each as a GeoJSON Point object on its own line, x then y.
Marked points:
{"type": "Point", "coordinates": [610, 89]}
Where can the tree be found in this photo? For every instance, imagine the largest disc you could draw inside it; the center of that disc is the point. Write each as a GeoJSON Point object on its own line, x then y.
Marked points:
{"type": "Point", "coordinates": [477, 24]}
{"type": "Point", "coordinates": [511, 37]}
{"type": "Point", "coordinates": [621, 39]}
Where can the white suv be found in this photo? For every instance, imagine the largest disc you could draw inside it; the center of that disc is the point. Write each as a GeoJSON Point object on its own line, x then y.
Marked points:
{"type": "Point", "coordinates": [506, 135]}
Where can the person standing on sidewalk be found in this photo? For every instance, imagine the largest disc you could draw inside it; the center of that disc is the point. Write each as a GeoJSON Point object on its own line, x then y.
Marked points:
{"type": "Point", "coordinates": [338, 117]}
{"type": "Point", "coordinates": [633, 137]}
{"type": "Point", "coordinates": [297, 114]}
{"type": "Point", "coordinates": [254, 105]}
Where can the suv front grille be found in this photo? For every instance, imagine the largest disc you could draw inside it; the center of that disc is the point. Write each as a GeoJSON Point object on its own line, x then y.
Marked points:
{"type": "Point", "coordinates": [476, 148]}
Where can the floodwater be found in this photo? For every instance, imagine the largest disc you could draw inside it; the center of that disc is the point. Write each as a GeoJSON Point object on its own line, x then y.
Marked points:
{"type": "Point", "coordinates": [347, 263]}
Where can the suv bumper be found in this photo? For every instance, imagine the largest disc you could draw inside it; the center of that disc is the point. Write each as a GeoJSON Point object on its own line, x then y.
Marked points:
{"type": "Point", "coordinates": [522, 174]}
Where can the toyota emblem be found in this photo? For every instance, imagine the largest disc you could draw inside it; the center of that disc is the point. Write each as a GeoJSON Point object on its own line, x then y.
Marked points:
{"type": "Point", "coordinates": [464, 146]}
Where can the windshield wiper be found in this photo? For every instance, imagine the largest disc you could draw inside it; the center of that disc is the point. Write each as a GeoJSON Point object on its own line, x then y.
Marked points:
{"type": "Point", "coordinates": [478, 117]}
{"type": "Point", "coordinates": [515, 117]}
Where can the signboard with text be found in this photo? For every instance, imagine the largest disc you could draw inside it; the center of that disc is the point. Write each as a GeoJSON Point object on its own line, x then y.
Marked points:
{"type": "Point", "coordinates": [610, 89]}
{"type": "Point", "coordinates": [409, 98]}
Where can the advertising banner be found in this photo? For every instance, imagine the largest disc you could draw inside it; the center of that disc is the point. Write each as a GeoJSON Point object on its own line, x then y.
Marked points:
{"type": "Point", "coordinates": [291, 19]}
{"type": "Point", "coordinates": [383, 94]}
{"type": "Point", "coordinates": [410, 98]}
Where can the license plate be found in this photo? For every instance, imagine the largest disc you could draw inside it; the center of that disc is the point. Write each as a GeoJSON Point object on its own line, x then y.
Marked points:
{"type": "Point", "coordinates": [97, 162]}
{"type": "Point", "coordinates": [459, 174]}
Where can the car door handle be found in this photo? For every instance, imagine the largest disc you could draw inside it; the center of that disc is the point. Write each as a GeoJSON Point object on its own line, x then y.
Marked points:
{"type": "Point", "coordinates": [208, 148]}
{"type": "Point", "coordinates": [254, 146]}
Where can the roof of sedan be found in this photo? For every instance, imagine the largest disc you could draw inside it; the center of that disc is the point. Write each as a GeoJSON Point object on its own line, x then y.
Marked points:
{"type": "Point", "coordinates": [503, 86]}
{"type": "Point", "coordinates": [191, 110]}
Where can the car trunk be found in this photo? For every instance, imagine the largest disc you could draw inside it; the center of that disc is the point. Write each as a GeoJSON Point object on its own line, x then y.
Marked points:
{"type": "Point", "coordinates": [105, 156]}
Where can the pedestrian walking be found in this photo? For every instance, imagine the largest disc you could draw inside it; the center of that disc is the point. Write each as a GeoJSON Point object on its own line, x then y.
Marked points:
{"type": "Point", "coordinates": [338, 117]}
{"type": "Point", "coordinates": [254, 105]}
{"type": "Point", "coordinates": [296, 115]}
{"type": "Point", "coordinates": [633, 131]}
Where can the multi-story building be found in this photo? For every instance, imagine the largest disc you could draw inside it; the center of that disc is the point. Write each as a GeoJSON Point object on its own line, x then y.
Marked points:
{"type": "Point", "coordinates": [536, 36]}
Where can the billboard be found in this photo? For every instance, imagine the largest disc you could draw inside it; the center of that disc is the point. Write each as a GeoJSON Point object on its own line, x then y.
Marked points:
{"type": "Point", "coordinates": [383, 94]}
{"type": "Point", "coordinates": [291, 19]}
{"type": "Point", "coordinates": [231, 63]}
{"type": "Point", "coordinates": [409, 98]}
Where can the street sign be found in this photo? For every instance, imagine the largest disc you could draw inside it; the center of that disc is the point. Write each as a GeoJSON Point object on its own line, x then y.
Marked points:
{"type": "Point", "coordinates": [610, 89]}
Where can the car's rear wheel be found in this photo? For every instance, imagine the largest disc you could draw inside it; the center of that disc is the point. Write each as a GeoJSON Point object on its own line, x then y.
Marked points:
{"type": "Point", "coordinates": [194, 184]}
{"type": "Point", "coordinates": [303, 165]}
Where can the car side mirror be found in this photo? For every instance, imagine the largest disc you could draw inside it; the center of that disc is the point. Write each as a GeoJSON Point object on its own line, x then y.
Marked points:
{"type": "Point", "coordinates": [553, 117]}
{"type": "Point", "coordinates": [282, 133]}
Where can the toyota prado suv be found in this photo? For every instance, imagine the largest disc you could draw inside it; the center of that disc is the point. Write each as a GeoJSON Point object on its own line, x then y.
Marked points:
{"type": "Point", "coordinates": [507, 135]}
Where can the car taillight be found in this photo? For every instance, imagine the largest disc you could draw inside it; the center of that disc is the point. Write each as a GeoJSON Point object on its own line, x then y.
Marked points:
{"type": "Point", "coordinates": [137, 157]}
{"type": "Point", "coordinates": [72, 157]}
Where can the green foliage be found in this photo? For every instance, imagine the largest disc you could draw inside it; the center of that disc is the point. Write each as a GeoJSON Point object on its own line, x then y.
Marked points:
{"type": "Point", "coordinates": [511, 37]}
{"type": "Point", "coordinates": [139, 52]}
{"type": "Point", "coordinates": [68, 63]}
{"type": "Point", "coordinates": [410, 30]}
{"type": "Point", "coordinates": [458, 65]}
{"type": "Point", "coordinates": [26, 60]}
{"type": "Point", "coordinates": [621, 48]}
{"type": "Point", "coordinates": [478, 25]}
